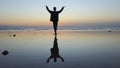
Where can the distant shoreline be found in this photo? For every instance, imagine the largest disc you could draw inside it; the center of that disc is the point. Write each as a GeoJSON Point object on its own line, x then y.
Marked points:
{"type": "Point", "coordinates": [62, 30]}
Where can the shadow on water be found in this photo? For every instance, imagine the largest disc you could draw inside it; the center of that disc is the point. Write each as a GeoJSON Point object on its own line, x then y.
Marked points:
{"type": "Point", "coordinates": [55, 51]}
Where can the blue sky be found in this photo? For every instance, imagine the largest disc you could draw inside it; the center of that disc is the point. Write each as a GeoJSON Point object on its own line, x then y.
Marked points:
{"type": "Point", "coordinates": [33, 12]}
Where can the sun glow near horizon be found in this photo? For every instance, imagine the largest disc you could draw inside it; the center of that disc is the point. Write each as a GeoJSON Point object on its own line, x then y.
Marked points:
{"type": "Point", "coordinates": [33, 12]}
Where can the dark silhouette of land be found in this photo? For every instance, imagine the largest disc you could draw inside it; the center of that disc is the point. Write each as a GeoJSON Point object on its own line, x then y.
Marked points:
{"type": "Point", "coordinates": [55, 52]}
{"type": "Point", "coordinates": [54, 17]}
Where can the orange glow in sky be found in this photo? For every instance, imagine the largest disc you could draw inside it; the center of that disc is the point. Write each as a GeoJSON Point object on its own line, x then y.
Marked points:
{"type": "Point", "coordinates": [34, 13]}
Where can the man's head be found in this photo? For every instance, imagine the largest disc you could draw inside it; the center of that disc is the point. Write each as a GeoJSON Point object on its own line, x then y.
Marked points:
{"type": "Point", "coordinates": [54, 8]}
{"type": "Point", "coordinates": [55, 59]}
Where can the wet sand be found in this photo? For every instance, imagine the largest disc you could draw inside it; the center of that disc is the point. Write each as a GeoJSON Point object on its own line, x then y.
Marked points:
{"type": "Point", "coordinates": [80, 49]}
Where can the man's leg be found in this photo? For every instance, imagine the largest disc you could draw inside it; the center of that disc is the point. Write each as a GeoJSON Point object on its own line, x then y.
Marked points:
{"type": "Point", "coordinates": [55, 24]}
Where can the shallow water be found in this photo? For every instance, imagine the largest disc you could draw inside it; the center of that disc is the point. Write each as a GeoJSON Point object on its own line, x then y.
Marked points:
{"type": "Point", "coordinates": [79, 49]}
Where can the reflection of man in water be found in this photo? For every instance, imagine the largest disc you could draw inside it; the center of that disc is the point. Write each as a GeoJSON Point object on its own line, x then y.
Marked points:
{"type": "Point", "coordinates": [54, 17]}
{"type": "Point", "coordinates": [55, 52]}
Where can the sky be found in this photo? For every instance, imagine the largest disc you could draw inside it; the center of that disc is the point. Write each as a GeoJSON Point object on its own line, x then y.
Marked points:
{"type": "Point", "coordinates": [76, 12]}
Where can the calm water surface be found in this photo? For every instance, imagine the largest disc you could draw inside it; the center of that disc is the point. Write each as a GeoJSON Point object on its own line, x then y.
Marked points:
{"type": "Point", "coordinates": [79, 49]}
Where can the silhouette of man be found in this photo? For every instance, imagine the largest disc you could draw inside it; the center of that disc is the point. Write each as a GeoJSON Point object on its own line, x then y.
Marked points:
{"type": "Point", "coordinates": [55, 52]}
{"type": "Point", "coordinates": [54, 17]}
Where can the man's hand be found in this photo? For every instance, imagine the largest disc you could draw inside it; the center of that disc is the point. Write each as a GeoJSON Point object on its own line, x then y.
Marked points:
{"type": "Point", "coordinates": [46, 6]}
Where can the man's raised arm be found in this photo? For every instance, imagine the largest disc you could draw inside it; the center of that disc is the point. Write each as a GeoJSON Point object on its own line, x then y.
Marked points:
{"type": "Point", "coordinates": [61, 58]}
{"type": "Point", "coordinates": [48, 59]}
{"type": "Point", "coordinates": [48, 9]}
{"type": "Point", "coordinates": [61, 9]}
